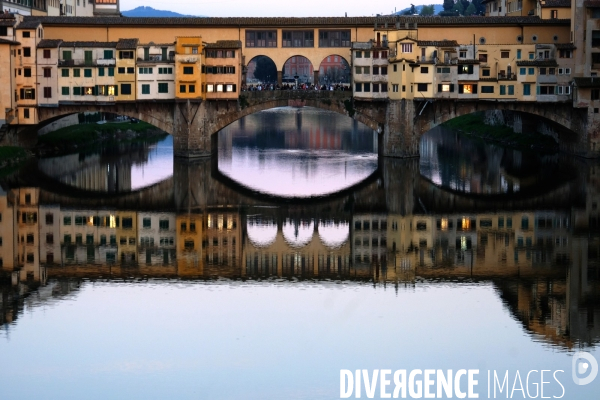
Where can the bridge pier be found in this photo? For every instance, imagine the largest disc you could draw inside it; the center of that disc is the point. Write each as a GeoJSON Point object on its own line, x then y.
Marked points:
{"type": "Point", "coordinates": [400, 138]}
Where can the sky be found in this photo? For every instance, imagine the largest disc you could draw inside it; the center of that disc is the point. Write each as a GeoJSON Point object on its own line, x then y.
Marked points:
{"type": "Point", "coordinates": [272, 8]}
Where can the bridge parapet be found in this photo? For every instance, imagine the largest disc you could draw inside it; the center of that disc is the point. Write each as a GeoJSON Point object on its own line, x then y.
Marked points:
{"type": "Point", "coordinates": [256, 96]}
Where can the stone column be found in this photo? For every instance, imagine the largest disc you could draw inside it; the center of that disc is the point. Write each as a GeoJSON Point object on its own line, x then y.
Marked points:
{"type": "Point", "coordinates": [190, 134]}
{"type": "Point", "coordinates": [401, 132]}
{"type": "Point", "coordinates": [280, 77]}
{"type": "Point", "coordinates": [192, 184]}
{"type": "Point", "coordinates": [316, 77]}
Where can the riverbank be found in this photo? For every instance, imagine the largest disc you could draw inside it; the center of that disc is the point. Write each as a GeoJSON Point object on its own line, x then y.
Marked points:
{"type": "Point", "coordinates": [11, 158]}
{"type": "Point", "coordinates": [474, 125]}
{"type": "Point", "coordinates": [84, 136]}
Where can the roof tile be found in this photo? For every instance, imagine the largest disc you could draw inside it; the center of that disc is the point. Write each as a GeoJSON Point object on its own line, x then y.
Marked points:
{"type": "Point", "coordinates": [299, 21]}
{"type": "Point", "coordinates": [49, 43]}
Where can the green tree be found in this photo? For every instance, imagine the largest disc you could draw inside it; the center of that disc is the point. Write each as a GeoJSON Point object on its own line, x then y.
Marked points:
{"type": "Point", "coordinates": [427, 10]}
{"type": "Point", "coordinates": [413, 10]}
{"type": "Point", "coordinates": [458, 8]}
{"type": "Point", "coordinates": [480, 7]}
{"type": "Point", "coordinates": [448, 5]}
{"type": "Point", "coordinates": [471, 10]}
{"type": "Point", "coordinates": [265, 70]}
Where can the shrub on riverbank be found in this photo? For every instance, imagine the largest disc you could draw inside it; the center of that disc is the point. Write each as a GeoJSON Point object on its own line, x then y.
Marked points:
{"type": "Point", "coordinates": [87, 133]}
{"type": "Point", "coordinates": [10, 158]}
{"type": "Point", "coordinates": [474, 124]}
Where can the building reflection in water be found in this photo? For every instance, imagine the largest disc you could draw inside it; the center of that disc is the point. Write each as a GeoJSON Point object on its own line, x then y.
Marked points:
{"type": "Point", "coordinates": [463, 164]}
{"type": "Point", "coordinates": [116, 168]}
{"type": "Point", "coordinates": [545, 271]}
{"type": "Point", "coordinates": [308, 152]}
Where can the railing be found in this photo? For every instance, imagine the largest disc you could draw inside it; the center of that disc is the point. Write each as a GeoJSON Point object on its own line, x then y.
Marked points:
{"type": "Point", "coordinates": [188, 60]}
{"type": "Point", "coordinates": [267, 95]}
{"type": "Point", "coordinates": [86, 63]}
{"type": "Point", "coordinates": [507, 77]}
{"type": "Point", "coordinates": [156, 58]}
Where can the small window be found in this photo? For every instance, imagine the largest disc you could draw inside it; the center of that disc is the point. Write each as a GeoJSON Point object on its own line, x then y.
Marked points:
{"type": "Point", "coordinates": [504, 54]}
{"type": "Point", "coordinates": [126, 88]}
{"type": "Point", "coordinates": [188, 70]}
{"type": "Point", "coordinates": [145, 89]}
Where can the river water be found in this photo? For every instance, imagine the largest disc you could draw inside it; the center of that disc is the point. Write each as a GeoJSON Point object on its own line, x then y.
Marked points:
{"type": "Point", "coordinates": [293, 254]}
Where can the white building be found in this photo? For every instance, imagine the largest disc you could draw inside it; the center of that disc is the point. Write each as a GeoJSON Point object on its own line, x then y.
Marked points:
{"type": "Point", "coordinates": [370, 70]}
{"type": "Point", "coordinates": [155, 71]}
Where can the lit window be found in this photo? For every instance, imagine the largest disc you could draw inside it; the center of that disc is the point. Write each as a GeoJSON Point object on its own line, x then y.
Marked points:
{"type": "Point", "coordinates": [219, 88]}
{"type": "Point", "coordinates": [466, 224]}
{"type": "Point", "coordinates": [468, 89]}
{"type": "Point", "coordinates": [210, 88]}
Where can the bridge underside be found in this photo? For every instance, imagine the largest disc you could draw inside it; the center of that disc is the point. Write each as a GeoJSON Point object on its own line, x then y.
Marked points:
{"type": "Point", "coordinates": [402, 122]}
{"type": "Point", "coordinates": [407, 121]}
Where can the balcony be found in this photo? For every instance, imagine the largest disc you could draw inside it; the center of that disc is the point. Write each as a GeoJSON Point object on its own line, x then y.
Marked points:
{"type": "Point", "coordinates": [426, 60]}
{"type": "Point", "coordinates": [154, 58]}
{"type": "Point", "coordinates": [86, 63]}
{"type": "Point", "coordinates": [503, 76]}
{"type": "Point", "coordinates": [188, 60]}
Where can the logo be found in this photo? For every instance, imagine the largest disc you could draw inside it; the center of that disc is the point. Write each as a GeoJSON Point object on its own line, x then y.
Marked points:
{"type": "Point", "coordinates": [585, 368]}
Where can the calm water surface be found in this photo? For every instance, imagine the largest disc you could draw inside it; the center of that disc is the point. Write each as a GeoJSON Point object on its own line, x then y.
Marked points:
{"type": "Point", "coordinates": [126, 274]}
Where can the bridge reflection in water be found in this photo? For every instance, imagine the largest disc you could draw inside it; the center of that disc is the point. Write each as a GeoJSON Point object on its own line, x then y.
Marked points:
{"type": "Point", "coordinates": [395, 229]}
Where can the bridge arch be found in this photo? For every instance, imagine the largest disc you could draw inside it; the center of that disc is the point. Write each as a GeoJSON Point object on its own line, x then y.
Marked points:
{"type": "Point", "coordinates": [336, 101]}
{"type": "Point", "coordinates": [334, 68]}
{"type": "Point", "coordinates": [260, 68]}
{"type": "Point", "coordinates": [559, 120]}
{"type": "Point", "coordinates": [300, 66]}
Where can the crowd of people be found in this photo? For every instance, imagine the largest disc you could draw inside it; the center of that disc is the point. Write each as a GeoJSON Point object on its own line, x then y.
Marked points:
{"type": "Point", "coordinates": [300, 86]}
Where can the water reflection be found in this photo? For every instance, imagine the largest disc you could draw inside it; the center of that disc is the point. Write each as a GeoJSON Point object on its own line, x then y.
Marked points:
{"type": "Point", "coordinates": [228, 274]}
{"type": "Point", "coordinates": [113, 168]}
{"type": "Point", "coordinates": [539, 260]}
{"type": "Point", "coordinates": [297, 152]}
{"type": "Point", "coordinates": [470, 165]}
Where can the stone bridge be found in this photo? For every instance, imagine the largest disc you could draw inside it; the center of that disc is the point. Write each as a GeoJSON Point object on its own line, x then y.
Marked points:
{"type": "Point", "coordinates": [401, 123]}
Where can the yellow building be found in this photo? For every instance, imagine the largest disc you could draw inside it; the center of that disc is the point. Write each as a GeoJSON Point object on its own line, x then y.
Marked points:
{"type": "Point", "coordinates": [188, 63]}
{"type": "Point", "coordinates": [127, 230]}
{"type": "Point", "coordinates": [29, 34]}
{"type": "Point", "coordinates": [125, 75]}
{"type": "Point", "coordinates": [188, 242]}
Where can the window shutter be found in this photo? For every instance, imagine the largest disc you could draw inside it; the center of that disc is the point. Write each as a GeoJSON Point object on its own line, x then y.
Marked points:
{"type": "Point", "coordinates": [82, 91]}
{"type": "Point", "coordinates": [452, 88]}
{"type": "Point", "coordinates": [234, 88]}
{"type": "Point", "coordinates": [474, 89]}
{"type": "Point", "coordinates": [461, 88]}
{"type": "Point", "coordinates": [33, 94]}
{"type": "Point", "coordinates": [470, 69]}
{"type": "Point", "coordinates": [22, 94]}
{"type": "Point", "coordinates": [116, 90]}
{"type": "Point", "coordinates": [34, 217]}
{"type": "Point", "coordinates": [439, 87]}
{"type": "Point", "coordinates": [537, 89]}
